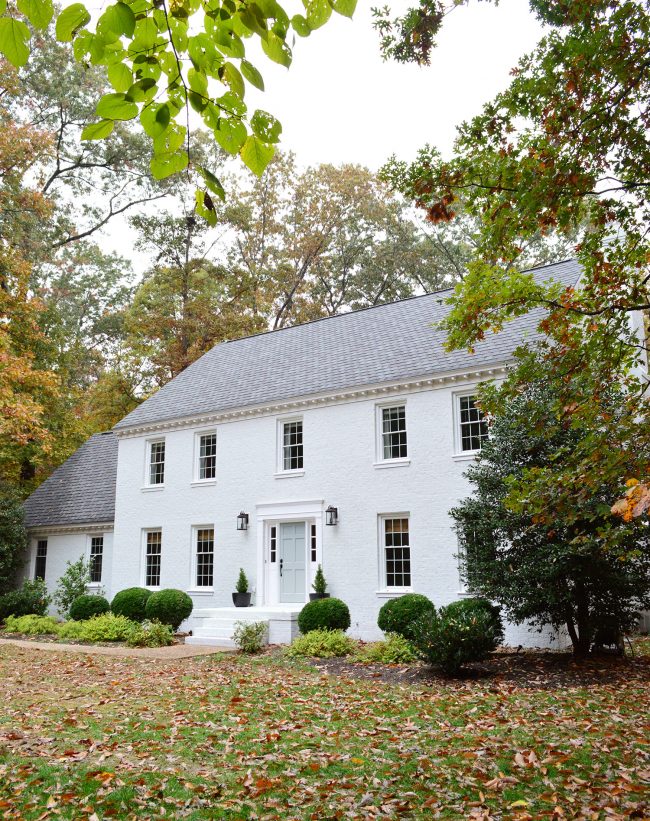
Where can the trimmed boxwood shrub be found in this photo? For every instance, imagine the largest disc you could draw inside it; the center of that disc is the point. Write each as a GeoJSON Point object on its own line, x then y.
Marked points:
{"type": "Point", "coordinates": [324, 614]}
{"type": "Point", "coordinates": [398, 615]}
{"type": "Point", "coordinates": [476, 606]}
{"type": "Point", "coordinates": [85, 607]}
{"type": "Point", "coordinates": [169, 607]}
{"type": "Point", "coordinates": [131, 603]}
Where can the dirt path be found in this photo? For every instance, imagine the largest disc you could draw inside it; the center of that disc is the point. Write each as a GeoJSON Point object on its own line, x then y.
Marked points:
{"type": "Point", "coordinates": [176, 651]}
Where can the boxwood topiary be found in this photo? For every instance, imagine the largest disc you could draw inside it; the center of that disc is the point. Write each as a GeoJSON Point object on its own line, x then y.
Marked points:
{"type": "Point", "coordinates": [85, 607]}
{"type": "Point", "coordinates": [324, 614]}
{"type": "Point", "coordinates": [131, 603]}
{"type": "Point", "coordinates": [169, 607]}
{"type": "Point", "coordinates": [397, 615]}
{"type": "Point", "coordinates": [475, 607]}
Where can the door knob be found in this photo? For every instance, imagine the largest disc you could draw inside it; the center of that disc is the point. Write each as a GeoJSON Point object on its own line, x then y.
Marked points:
{"type": "Point", "coordinates": [281, 560]}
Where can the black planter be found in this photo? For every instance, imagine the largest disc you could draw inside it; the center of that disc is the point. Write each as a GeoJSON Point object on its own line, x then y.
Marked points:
{"type": "Point", "coordinates": [315, 596]}
{"type": "Point", "coordinates": [241, 599]}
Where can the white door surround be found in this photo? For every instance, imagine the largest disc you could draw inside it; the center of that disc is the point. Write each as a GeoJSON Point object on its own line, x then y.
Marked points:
{"type": "Point", "coordinates": [274, 514]}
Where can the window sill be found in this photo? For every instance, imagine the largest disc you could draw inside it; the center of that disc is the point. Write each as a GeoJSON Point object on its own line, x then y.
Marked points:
{"type": "Point", "coordinates": [288, 474]}
{"type": "Point", "coordinates": [201, 591]}
{"type": "Point", "coordinates": [466, 456]}
{"type": "Point", "coordinates": [393, 592]}
{"type": "Point", "coordinates": [203, 482]}
{"type": "Point", "coordinates": [151, 488]}
{"type": "Point", "coordinates": [393, 463]}
{"type": "Point", "coordinates": [153, 589]}
{"type": "Point", "coordinates": [93, 585]}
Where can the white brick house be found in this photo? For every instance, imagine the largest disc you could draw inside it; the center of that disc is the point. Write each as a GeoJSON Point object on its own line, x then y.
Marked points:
{"type": "Point", "coordinates": [364, 415]}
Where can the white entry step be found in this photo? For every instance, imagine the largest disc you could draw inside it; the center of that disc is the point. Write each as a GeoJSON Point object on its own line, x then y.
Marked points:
{"type": "Point", "coordinates": [214, 626]}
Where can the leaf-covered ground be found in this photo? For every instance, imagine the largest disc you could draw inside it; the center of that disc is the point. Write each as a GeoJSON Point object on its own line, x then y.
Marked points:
{"type": "Point", "coordinates": [230, 737]}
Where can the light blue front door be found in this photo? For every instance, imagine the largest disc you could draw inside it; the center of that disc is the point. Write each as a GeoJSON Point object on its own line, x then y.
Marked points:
{"type": "Point", "coordinates": [292, 562]}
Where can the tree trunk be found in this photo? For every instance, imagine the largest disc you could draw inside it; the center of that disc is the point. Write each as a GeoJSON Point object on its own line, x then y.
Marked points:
{"type": "Point", "coordinates": [581, 641]}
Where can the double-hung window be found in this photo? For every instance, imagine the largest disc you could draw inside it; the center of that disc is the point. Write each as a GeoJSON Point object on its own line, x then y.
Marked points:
{"type": "Point", "coordinates": [472, 424]}
{"type": "Point", "coordinates": [41, 559]}
{"type": "Point", "coordinates": [96, 558]}
{"type": "Point", "coordinates": [156, 466]}
{"type": "Point", "coordinates": [292, 445]}
{"type": "Point", "coordinates": [153, 554]}
{"type": "Point", "coordinates": [207, 456]}
{"type": "Point", "coordinates": [396, 551]}
{"type": "Point", "coordinates": [392, 433]}
{"type": "Point", "coordinates": [204, 557]}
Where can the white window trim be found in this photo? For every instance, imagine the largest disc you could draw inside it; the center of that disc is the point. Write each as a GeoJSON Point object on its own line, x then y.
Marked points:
{"type": "Point", "coordinates": [146, 485]}
{"type": "Point", "coordinates": [380, 462]}
{"type": "Point", "coordinates": [89, 541]}
{"type": "Point", "coordinates": [384, 591]}
{"type": "Point", "coordinates": [459, 454]}
{"type": "Point", "coordinates": [143, 555]}
{"type": "Point", "coordinates": [193, 586]}
{"type": "Point", "coordinates": [281, 473]}
{"type": "Point", "coordinates": [197, 454]}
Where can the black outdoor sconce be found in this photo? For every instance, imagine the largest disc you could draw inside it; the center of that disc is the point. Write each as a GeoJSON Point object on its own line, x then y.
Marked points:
{"type": "Point", "coordinates": [242, 521]}
{"type": "Point", "coordinates": [332, 515]}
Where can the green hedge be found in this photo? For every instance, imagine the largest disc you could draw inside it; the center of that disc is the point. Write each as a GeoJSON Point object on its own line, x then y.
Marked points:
{"type": "Point", "coordinates": [85, 607]}
{"type": "Point", "coordinates": [399, 615]}
{"type": "Point", "coordinates": [324, 614]}
{"type": "Point", "coordinates": [169, 607]}
{"type": "Point", "coordinates": [131, 603]}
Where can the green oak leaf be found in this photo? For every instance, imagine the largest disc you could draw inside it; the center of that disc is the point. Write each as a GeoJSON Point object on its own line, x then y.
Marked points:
{"type": "Point", "coordinates": [155, 119]}
{"type": "Point", "coordinates": [230, 75]}
{"type": "Point", "coordinates": [168, 163]}
{"type": "Point", "coordinates": [120, 77]}
{"type": "Point", "coordinates": [14, 37]}
{"type": "Point", "coordinates": [116, 107]}
{"type": "Point", "coordinates": [118, 19]}
{"type": "Point", "coordinates": [97, 131]}
{"type": "Point", "coordinates": [318, 13]}
{"type": "Point", "coordinates": [256, 154]}
{"type": "Point", "coordinates": [38, 12]}
{"type": "Point", "coordinates": [230, 134]}
{"type": "Point", "coordinates": [266, 127]}
{"type": "Point", "coordinates": [71, 19]}
{"type": "Point", "coordinates": [344, 7]}
{"type": "Point", "coordinates": [252, 74]}
{"type": "Point", "coordinates": [142, 91]}
{"type": "Point", "coordinates": [276, 49]}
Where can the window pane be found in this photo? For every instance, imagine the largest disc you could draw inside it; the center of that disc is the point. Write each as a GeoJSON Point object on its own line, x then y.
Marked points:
{"type": "Point", "coordinates": [473, 424]}
{"type": "Point", "coordinates": [208, 456]}
{"type": "Point", "coordinates": [313, 543]}
{"type": "Point", "coordinates": [398, 552]}
{"type": "Point", "coordinates": [96, 558]}
{"type": "Point", "coordinates": [154, 549]}
{"type": "Point", "coordinates": [157, 463]}
{"type": "Point", "coordinates": [274, 543]}
{"type": "Point", "coordinates": [41, 559]}
{"type": "Point", "coordinates": [292, 446]}
{"type": "Point", "coordinates": [205, 557]}
{"type": "Point", "coordinates": [394, 432]}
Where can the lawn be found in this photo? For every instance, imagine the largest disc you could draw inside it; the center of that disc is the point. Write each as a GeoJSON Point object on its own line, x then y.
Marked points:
{"type": "Point", "coordinates": [230, 737]}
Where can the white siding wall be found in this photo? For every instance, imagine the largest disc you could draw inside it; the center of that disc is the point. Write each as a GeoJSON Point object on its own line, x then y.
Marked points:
{"type": "Point", "coordinates": [339, 457]}
{"type": "Point", "coordinates": [63, 548]}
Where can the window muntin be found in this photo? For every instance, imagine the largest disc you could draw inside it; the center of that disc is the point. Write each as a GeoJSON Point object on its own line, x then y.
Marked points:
{"type": "Point", "coordinates": [41, 559]}
{"type": "Point", "coordinates": [397, 552]}
{"type": "Point", "coordinates": [273, 552]}
{"type": "Point", "coordinates": [96, 559]}
{"type": "Point", "coordinates": [292, 445]}
{"type": "Point", "coordinates": [207, 467]}
{"type": "Point", "coordinates": [393, 432]}
{"type": "Point", "coordinates": [313, 543]}
{"type": "Point", "coordinates": [152, 558]}
{"type": "Point", "coordinates": [205, 557]}
{"type": "Point", "coordinates": [473, 424]}
{"type": "Point", "coordinates": [157, 462]}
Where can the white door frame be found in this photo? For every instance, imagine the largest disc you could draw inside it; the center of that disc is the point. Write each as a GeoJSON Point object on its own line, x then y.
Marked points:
{"type": "Point", "coordinates": [275, 513]}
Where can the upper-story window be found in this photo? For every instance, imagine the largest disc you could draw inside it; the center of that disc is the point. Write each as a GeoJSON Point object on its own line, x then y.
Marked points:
{"type": "Point", "coordinates": [156, 472]}
{"type": "Point", "coordinates": [473, 426]}
{"type": "Point", "coordinates": [393, 443]}
{"type": "Point", "coordinates": [96, 559]}
{"type": "Point", "coordinates": [292, 445]}
{"type": "Point", "coordinates": [41, 559]}
{"type": "Point", "coordinates": [207, 456]}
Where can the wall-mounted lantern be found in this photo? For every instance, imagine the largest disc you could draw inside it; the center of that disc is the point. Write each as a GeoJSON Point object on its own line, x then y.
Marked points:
{"type": "Point", "coordinates": [332, 515]}
{"type": "Point", "coordinates": [242, 521]}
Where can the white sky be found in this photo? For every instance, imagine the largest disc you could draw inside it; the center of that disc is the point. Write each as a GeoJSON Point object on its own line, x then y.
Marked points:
{"type": "Point", "coordinates": [340, 102]}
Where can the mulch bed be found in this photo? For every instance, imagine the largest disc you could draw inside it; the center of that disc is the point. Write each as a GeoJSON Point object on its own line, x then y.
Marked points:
{"type": "Point", "coordinates": [505, 669]}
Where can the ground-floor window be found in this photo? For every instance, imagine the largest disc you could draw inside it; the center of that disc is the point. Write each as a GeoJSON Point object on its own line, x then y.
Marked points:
{"type": "Point", "coordinates": [41, 559]}
{"type": "Point", "coordinates": [96, 559]}
{"type": "Point", "coordinates": [205, 557]}
{"type": "Point", "coordinates": [152, 558]}
{"type": "Point", "coordinates": [396, 551]}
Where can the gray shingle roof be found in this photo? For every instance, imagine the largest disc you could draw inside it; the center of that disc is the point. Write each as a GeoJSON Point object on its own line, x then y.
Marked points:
{"type": "Point", "coordinates": [378, 345]}
{"type": "Point", "coordinates": [81, 490]}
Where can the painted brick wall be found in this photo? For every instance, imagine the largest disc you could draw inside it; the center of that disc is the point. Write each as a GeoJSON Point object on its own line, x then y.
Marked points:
{"type": "Point", "coordinates": [339, 457]}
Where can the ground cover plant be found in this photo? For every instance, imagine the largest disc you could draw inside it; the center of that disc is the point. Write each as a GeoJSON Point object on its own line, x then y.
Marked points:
{"type": "Point", "coordinates": [537, 736]}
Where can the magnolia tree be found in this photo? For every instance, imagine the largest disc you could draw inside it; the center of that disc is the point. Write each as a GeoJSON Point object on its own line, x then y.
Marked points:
{"type": "Point", "coordinates": [579, 566]}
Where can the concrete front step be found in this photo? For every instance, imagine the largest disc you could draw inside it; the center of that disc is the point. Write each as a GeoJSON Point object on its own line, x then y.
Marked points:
{"type": "Point", "coordinates": [216, 625]}
{"type": "Point", "coordinates": [210, 641]}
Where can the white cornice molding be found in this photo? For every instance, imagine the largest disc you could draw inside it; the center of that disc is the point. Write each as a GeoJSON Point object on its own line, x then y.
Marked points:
{"type": "Point", "coordinates": [57, 530]}
{"type": "Point", "coordinates": [466, 377]}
